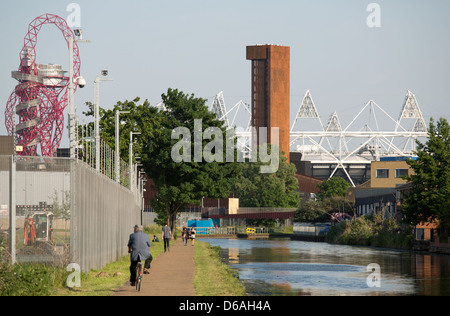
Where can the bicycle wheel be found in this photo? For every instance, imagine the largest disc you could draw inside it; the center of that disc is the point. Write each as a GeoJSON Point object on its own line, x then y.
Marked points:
{"type": "Point", "coordinates": [138, 284]}
{"type": "Point", "coordinates": [138, 276]}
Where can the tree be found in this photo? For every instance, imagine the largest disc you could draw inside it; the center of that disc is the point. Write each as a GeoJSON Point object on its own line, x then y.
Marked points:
{"type": "Point", "coordinates": [278, 189]}
{"type": "Point", "coordinates": [61, 209]}
{"type": "Point", "coordinates": [140, 117]}
{"type": "Point", "coordinates": [429, 197]}
{"type": "Point", "coordinates": [312, 212]}
{"type": "Point", "coordinates": [335, 186]}
{"type": "Point", "coordinates": [331, 199]}
{"type": "Point", "coordinates": [172, 163]}
{"type": "Point", "coordinates": [178, 183]}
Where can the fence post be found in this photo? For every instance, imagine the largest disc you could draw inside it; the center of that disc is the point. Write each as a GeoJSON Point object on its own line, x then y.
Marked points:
{"type": "Point", "coordinates": [12, 209]}
{"type": "Point", "coordinates": [74, 254]}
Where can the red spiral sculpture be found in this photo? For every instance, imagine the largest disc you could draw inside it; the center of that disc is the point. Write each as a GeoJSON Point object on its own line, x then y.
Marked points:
{"type": "Point", "coordinates": [41, 96]}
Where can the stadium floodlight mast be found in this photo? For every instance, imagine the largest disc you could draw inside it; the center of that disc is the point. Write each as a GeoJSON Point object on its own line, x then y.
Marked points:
{"type": "Point", "coordinates": [81, 82]}
{"type": "Point", "coordinates": [97, 116]}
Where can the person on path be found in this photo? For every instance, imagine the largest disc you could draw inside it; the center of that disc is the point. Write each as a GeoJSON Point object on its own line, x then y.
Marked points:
{"type": "Point", "coordinates": [185, 235]}
{"type": "Point", "coordinates": [139, 249]}
{"type": "Point", "coordinates": [166, 234]}
{"type": "Point", "coordinates": [192, 236]}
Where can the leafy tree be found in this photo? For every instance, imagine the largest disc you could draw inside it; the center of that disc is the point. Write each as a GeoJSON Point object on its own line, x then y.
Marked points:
{"type": "Point", "coordinates": [317, 211]}
{"type": "Point", "coordinates": [61, 209]}
{"type": "Point", "coordinates": [335, 186]}
{"type": "Point", "coordinates": [330, 200]}
{"type": "Point", "coordinates": [140, 117]}
{"type": "Point", "coordinates": [312, 212]}
{"type": "Point", "coordinates": [184, 182]}
{"type": "Point", "coordinates": [178, 183]}
{"type": "Point", "coordinates": [429, 198]}
{"type": "Point", "coordinates": [278, 189]}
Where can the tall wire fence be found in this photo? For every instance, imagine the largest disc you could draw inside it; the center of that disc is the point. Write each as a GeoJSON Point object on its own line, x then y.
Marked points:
{"type": "Point", "coordinates": [87, 153]}
{"type": "Point", "coordinates": [60, 210]}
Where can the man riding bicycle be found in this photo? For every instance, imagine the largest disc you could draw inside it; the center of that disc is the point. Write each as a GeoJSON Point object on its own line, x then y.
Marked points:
{"type": "Point", "coordinates": [138, 247]}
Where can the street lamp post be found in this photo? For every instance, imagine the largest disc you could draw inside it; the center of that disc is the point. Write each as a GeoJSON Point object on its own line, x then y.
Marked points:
{"type": "Point", "coordinates": [97, 116]}
{"type": "Point", "coordinates": [131, 158]}
{"type": "Point", "coordinates": [142, 190]}
{"type": "Point", "coordinates": [117, 153]}
{"type": "Point", "coordinates": [71, 87]}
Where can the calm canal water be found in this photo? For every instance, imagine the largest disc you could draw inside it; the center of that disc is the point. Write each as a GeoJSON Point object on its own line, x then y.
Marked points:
{"type": "Point", "coordinates": [286, 267]}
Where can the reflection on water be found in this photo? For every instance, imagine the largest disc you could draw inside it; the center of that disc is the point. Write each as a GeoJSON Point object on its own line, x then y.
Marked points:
{"type": "Point", "coordinates": [285, 267]}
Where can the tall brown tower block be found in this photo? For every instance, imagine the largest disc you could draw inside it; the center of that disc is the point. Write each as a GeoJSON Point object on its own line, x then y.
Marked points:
{"type": "Point", "coordinates": [271, 90]}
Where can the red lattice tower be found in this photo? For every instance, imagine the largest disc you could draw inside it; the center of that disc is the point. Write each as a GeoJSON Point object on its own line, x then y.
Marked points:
{"type": "Point", "coordinates": [41, 95]}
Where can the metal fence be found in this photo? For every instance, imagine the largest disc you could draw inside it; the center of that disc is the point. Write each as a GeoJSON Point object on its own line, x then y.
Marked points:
{"type": "Point", "coordinates": [105, 213]}
{"type": "Point", "coordinates": [102, 158]}
{"type": "Point", "coordinates": [64, 211]}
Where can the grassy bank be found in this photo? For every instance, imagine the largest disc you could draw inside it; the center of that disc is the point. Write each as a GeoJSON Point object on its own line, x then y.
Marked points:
{"type": "Point", "coordinates": [212, 277]}
{"type": "Point", "coordinates": [373, 230]}
{"type": "Point", "coordinates": [103, 282]}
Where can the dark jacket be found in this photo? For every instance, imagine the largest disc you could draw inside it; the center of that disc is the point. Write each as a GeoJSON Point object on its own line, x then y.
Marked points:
{"type": "Point", "coordinates": [139, 243]}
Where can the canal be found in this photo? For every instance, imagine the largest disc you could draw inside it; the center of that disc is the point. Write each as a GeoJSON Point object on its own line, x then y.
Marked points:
{"type": "Point", "coordinates": [282, 267]}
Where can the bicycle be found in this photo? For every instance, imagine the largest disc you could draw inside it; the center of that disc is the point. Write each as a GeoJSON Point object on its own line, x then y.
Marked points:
{"type": "Point", "coordinates": [139, 276]}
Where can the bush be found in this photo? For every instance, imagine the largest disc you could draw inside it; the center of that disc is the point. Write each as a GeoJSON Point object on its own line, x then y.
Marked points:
{"type": "Point", "coordinates": [29, 279]}
{"type": "Point", "coordinates": [357, 232]}
{"type": "Point", "coordinates": [374, 230]}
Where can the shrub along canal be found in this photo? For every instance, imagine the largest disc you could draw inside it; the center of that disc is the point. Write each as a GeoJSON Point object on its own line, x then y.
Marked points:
{"type": "Point", "coordinates": [287, 267]}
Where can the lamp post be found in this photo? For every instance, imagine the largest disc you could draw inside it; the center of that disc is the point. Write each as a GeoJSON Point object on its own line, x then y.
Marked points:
{"type": "Point", "coordinates": [131, 158]}
{"type": "Point", "coordinates": [142, 190]}
{"type": "Point", "coordinates": [117, 154]}
{"type": "Point", "coordinates": [71, 87]}
{"type": "Point", "coordinates": [97, 116]}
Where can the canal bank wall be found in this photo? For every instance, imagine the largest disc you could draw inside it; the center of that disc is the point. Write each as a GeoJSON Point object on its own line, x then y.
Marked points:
{"type": "Point", "coordinates": [432, 247]}
{"type": "Point", "coordinates": [363, 233]}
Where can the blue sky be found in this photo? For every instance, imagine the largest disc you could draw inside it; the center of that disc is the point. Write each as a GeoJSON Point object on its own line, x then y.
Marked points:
{"type": "Point", "coordinates": [198, 46]}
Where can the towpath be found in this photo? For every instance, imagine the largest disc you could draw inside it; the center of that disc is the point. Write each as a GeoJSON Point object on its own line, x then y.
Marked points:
{"type": "Point", "coordinates": [171, 274]}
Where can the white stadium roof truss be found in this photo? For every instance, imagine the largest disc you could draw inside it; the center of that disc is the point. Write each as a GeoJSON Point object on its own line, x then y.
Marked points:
{"type": "Point", "coordinates": [371, 134]}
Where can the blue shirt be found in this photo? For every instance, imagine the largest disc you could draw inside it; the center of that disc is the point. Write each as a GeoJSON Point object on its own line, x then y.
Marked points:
{"type": "Point", "coordinates": [139, 243]}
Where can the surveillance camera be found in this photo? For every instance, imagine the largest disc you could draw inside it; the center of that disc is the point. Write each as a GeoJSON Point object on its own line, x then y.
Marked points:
{"type": "Point", "coordinates": [105, 72]}
{"type": "Point", "coordinates": [78, 33]}
{"type": "Point", "coordinates": [81, 82]}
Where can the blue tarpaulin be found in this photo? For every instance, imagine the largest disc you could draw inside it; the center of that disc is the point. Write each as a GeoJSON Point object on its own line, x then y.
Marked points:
{"type": "Point", "coordinates": [200, 223]}
{"type": "Point", "coordinates": [202, 226]}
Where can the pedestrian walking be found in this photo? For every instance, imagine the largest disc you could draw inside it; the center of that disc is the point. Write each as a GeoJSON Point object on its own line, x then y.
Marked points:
{"type": "Point", "coordinates": [166, 235]}
{"type": "Point", "coordinates": [185, 235]}
{"type": "Point", "coordinates": [192, 236]}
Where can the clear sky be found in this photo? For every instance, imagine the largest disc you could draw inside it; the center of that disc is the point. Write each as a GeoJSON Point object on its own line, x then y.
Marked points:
{"type": "Point", "coordinates": [198, 46]}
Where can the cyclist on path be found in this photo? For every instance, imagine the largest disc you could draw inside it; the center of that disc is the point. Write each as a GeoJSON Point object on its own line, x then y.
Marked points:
{"type": "Point", "coordinates": [139, 248]}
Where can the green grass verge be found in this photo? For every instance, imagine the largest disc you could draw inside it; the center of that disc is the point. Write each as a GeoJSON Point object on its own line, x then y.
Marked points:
{"type": "Point", "coordinates": [212, 277]}
{"type": "Point", "coordinates": [103, 282]}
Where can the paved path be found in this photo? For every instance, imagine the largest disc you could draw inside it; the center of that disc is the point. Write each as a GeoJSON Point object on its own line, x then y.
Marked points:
{"type": "Point", "coordinates": [171, 274]}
